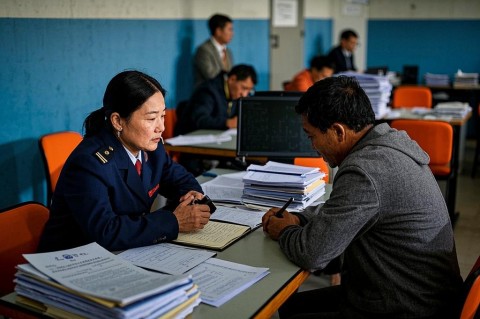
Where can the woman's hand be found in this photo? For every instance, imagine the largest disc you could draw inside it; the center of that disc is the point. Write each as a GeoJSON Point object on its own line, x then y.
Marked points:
{"type": "Point", "coordinates": [191, 217]}
{"type": "Point", "coordinates": [191, 196]}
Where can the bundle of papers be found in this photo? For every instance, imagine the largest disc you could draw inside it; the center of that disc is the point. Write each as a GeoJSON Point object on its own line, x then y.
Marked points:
{"type": "Point", "coordinates": [378, 89]}
{"type": "Point", "coordinates": [465, 79]}
{"type": "Point", "coordinates": [453, 109]}
{"type": "Point", "coordinates": [226, 188]}
{"type": "Point", "coordinates": [274, 183]}
{"type": "Point", "coordinates": [90, 282]}
{"type": "Point", "coordinates": [437, 79]}
{"type": "Point", "coordinates": [221, 280]}
{"type": "Point", "coordinates": [202, 139]}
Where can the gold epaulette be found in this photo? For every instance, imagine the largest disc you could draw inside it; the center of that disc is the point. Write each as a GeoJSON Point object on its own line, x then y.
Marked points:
{"type": "Point", "coordinates": [104, 154]}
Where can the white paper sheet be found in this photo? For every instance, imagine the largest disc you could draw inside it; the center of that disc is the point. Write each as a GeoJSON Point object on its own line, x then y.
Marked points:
{"type": "Point", "coordinates": [167, 258]}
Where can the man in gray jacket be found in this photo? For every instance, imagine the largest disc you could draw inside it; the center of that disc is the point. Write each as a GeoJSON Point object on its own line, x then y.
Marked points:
{"type": "Point", "coordinates": [386, 216]}
{"type": "Point", "coordinates": [213, 55]}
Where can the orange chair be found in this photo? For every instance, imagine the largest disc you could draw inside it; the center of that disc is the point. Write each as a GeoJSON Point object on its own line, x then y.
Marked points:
{"type": "Point", "coordinates": [472, 293]}
{"type": "Point", "coordinates": [313, 162]}
{"type": "Point", "coordinates": [20, 229]}
{"type": "Point", "coordinates": [55, 149]}
{"type": "Point", "coordinates": [410, 96]}
{"type": "Point", "coordinates": [436, 139]}
{"type": "Point", "coordinates": [170, 121]}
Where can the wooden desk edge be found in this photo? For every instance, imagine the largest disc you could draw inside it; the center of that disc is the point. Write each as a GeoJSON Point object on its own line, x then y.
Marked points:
{"type": "Point", "coordinates": [10, 309]}
{"type": "Point", "coordinates": [274, 303]}
{"type": "Point", "coordinates": [200, 150]}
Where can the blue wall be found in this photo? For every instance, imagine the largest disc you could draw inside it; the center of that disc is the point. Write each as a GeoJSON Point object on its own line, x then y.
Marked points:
{"type": "Point", "coordinates": [318, 38]}
{"type": "Point", "coordinates": [436, 46]}
{"type": "Point", "coordinates": [54, 72]}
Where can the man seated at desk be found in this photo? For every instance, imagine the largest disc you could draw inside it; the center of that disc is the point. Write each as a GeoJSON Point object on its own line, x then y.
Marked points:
{"type": "Point", "coordinates": [213, 104]}
{"type": "Point", "coordinates": [386, 215]}
{"type": "Point", "coordinates": [320, 67]}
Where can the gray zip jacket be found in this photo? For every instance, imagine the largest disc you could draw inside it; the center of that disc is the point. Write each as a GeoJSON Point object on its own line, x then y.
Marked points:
{"type": "Point", "coordinates": [387, 216]}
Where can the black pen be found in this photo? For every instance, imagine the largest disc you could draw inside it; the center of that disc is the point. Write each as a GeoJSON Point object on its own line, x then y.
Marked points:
{"type": "Point", "coordinates": [280, 212]}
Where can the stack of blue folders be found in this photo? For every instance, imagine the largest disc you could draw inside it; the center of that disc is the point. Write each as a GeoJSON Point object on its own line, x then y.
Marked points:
{"type": "Point", "coordinates": [378, 89]}
{"type": "Point", "coordinates": [274, 183]}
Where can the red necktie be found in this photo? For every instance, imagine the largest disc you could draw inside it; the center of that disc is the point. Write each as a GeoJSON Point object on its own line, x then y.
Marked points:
{"type": "Point", "coordinates": [138, 167]}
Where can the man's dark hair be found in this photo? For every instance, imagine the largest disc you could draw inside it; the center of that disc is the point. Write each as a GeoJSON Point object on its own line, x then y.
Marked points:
{"type": "Point", "coordinates": [320, 61]}
{"type": "Point", "coordinates": [243, 72]}
{"type": "Point", "coordinates": [347, 34]}
{"type": "Point", "coordinates": [218, 21]}
{"type": "Point", "coordinates": [336, 99]}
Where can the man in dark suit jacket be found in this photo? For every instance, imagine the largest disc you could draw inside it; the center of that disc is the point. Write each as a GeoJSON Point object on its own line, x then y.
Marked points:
{"type": "Point", "coordinates": [342, 55]}
{"type": "Point", "coordinates": [212, 105]}
{"type": "Point", "coordinates": [213, 55]}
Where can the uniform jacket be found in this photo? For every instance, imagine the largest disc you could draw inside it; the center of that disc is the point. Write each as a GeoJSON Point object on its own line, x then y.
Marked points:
{"type": "Point", "coordinates": [208, 108]}
{"type": "Point", "coordinates": [208, 63]}
{"type": "Point", "coordinates": [336, 55]}
{"type": "Point", "coordinates": [388, 217]}
{"type": "Point", "coordinates": [301, 82]}
{"type": "Point", "coordinates": [100, 197]}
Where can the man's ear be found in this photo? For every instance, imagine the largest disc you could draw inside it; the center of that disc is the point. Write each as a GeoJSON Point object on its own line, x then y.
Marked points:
{"type": "Point", "coordinates": [339, 131]}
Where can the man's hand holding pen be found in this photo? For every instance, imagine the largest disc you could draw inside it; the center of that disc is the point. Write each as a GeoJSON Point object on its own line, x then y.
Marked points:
{"type": "Point", "coordinates": [277, 219]}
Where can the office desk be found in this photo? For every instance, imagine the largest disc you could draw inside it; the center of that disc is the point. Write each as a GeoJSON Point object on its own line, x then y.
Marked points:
{"type": "Point", "coordinates": [261, 300]}
{"type": "Point", "coordinates": [459, 134]}
{"type": "Point", "coordinates": [223, 149]}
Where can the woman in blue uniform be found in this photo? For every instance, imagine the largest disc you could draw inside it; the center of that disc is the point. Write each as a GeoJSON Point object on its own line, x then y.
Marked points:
{"type": "Point", "coordinates": [110, 181]}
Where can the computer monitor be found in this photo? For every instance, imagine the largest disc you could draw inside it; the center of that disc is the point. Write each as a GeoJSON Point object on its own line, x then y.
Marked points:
{"type": "Point", "coordinates": [269, 127]}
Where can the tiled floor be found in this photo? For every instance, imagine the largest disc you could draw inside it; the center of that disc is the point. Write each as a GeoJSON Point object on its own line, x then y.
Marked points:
{"type": "Point", "coordinates": [467, 228]}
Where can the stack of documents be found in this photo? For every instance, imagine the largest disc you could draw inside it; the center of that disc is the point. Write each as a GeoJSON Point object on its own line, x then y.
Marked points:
{"type": "Point", "coordinates": [90, 282]}
{"type": "Point", "coordinates": [465, 79]}
{"type": "Point", "coordinates": [437, 79]}
{"type": "Point", "coordinates": [452, 109]}
{"type": "Point", "coordinates": [226, 188]}
{"type": "Point", "coordinates": [378, 89]}
{"type": "Point", "coordinates": [275, 183]}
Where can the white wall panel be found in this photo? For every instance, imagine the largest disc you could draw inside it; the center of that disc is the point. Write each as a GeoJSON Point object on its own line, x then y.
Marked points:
{"type": "Point", "coordinates": [318, 9]}
{"type": "Point", "coordinates": [137, 9]}
{"type": "Point", "coordinates": [424, 9]}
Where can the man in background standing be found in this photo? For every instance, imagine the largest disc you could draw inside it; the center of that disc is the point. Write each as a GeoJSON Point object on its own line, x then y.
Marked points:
{"type": "Point", "coordinates": [213, 55]}
{"type": "Point", "coordinates": [342, 55]}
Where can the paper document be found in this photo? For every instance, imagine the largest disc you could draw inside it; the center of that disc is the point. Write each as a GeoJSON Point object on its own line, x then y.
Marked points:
{"type": "Point", "coordinates": [227, 188]}
{"type": "Point", "coordinates": [92, 270]}
{"type": "Point", "coordinates": [282, 168]}
{"type": "Point", "coordinates": [215, 235]}
{"type": "Point", "coordinates": [262, 178]}
{"type": "Point", "coordinates": [248, 217]}
{"type": "Point", "coordinates": [167, 258]}
{"type": "Point", "coordinates": [199, 139]}
{"type": "Point", "coordinates": [221, 280]}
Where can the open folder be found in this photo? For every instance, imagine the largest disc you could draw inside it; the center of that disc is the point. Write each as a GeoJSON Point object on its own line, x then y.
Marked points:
{"type": "Point", "coordinates": [215, 235]}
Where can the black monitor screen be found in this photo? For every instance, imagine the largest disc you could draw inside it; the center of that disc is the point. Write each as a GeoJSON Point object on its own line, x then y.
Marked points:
{"type": "Point", "coordinates": [269, 126]}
